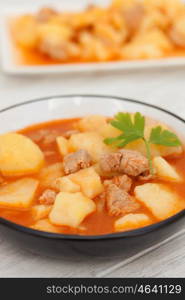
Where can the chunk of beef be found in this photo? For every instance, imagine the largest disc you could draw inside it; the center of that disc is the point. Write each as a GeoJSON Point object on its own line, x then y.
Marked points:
{"type": "Point", "coordinates": [73, 162]}
{"type": "Point", "coordinates": [128, 162]}
{"type": "Point", "coordinates": [39, 135]}
{"type": "Point", "coordinates": [100, 202]}
{"type": "Point", "coordinates": [47, 197]}
{"type": "Point", "coordinates": [110, 162]}
{"type": "Point", "coordinates": [177, 31]}
{"type": "Point", "coordinates": [123, 182]}
{"type": "Point", "coordinates": [45, 136]}
{"type": "Point", "coordinates": [133, 17]}
{"type": "Point", "coordinates": [133, 163]}
{"type": "Point", "coordinates": [50, 137]}
{"type": "Point", "coordinates": [119, 202]}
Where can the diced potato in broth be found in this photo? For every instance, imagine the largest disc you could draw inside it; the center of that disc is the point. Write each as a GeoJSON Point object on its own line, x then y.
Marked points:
{"type": "Point", "coordinates": [19, 155]}
{"type": "Point", "coordinates": [45, 225]}
{"type": "Point", "coordinates": [89, 182]}
{"type": "Point", "coordinates": [41, 211]}
{"type": "Point", "coordinates": [164, 170]}
{"type": "Point", "coordinates": [97, 123]}
{"type": "Point", "coordinates": [90, 141]}
{"type": "Point", "coordinates": [132, 221]}
{"type": "Point", "coordinates": [66, 184]}
{"type": "Point", "coordinates": [92, 123]}
{"type": "Point", "coordinates": [63, 145]}
{"type": "Point", "coordinates": [159, 199]}
{"type": "Point", "coordinates": [70, 209]}
{"type": "Point", "coordinates": [49, 174]}
{"type": "Point", "coordinates": [19, 194]}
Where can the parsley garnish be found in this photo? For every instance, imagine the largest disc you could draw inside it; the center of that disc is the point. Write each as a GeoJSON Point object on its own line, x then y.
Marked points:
{"type": "Point", "coordinates": [133, 129]}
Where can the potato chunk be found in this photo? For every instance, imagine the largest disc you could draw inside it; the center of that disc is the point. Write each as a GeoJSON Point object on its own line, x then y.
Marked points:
{"type": "Point", "coordinates": [91, 123]}
{"type": "Point", "coordinates": [131, 221]}
{"type": "Point", "coordinates": [18, 194]}
{"type": "Point", "coordinates": [19, 155]}
{"type": "Point", "coordinates": [45, 225]}
{"type": "Point", "coordinates": [92, 142]}
{"type": "Point", "coordinates": [65, 184]}
{"type": "Point", "coordinates": [70, 209]}
{"type": "Point", "coordinates": [40, 211]}
{"type": "Point", "coordinates": [63, 145]}
{"type": "Point", "coordinates": [164, 170]}
{"type": "Point", "coordinates": [25, 31]}
{"type": "Point", "coordinates": [151, 44]}
{"type": "Point", "coordinates": [161, 201]}
{"type": "Point", "coordinates": [49, 174]}
{"type": "Point", "coordinates": [89, 182]}
{"type": "Point", "coordinates": [109, 131]}
{"type": "Point", "coordinates": [98, 123]}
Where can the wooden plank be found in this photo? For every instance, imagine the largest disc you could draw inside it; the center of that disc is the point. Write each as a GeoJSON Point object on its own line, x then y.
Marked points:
{"type": "Point", "coordinates": [168, 260]}
{"type": "Point", "coordinates": [15, 261]}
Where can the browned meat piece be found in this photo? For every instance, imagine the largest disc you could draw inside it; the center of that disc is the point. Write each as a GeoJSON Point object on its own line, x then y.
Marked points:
{"type": "Point", "coordinates": [110, 162]}
{"type": "Point", "coordinates": [133, 17]}
{"type": "Point", "coordinates": [50, 137]}
{"type": "Point", "coordinates": [73, 162]}
{"type": "Point", "coordinates": [177, 38]}
{"type": "Point", "coordinates": [39, 135]}
{"type": "Point", "coordinates": [133, 163]}
{"type": "Point", "coordinates": [59, 46]}
{"type": "Point", "coordinates": [57, 50]}
{"type": "Point", "coordinates": [177, 31]}
{"type": "Point", "coordinates": [123, 182]}
{"type": "Point", "coordinates": [127, 162]}
{"type": "Point", "coordinates": [100, 202]}
{"type": "Point", "coordinates": [47, 197]}
{"type": "Point", "coordinates": [44, 135]}
{"type": "Point", "coordinates": [119, 202]}
{"type": "Point", "coordinates": [45, 14]}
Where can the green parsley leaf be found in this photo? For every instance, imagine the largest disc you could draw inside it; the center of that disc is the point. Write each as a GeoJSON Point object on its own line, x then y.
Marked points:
{"type": "Point", "coordinates": [167, 138]}
{"type": "Point", "coordinates": [113, 140]}
{"type": "Point", "coordinates": [121, 140]}
{"type": "Point", "coordinates": [135, 128]}
{"type": "Point", "coordinates": [128, 139]}
{"type": "Point", "coordinates": [139, 123]}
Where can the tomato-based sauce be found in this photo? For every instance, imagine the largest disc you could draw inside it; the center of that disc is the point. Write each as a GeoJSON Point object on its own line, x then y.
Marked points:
{"type": "Point", "coordinates": [27, 57]}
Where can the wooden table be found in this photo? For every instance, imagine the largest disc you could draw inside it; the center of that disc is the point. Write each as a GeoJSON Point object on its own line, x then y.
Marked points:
{"type": "Point", "coordinates": [163, 87]}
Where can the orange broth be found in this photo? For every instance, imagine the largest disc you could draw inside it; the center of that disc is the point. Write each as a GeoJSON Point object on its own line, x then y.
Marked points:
{"type": "Point", "coordinates": [25, 57]}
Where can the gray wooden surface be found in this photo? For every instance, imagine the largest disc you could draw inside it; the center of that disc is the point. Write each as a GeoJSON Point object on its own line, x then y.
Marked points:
{"type": "Point", "coordinates": [164, 87]}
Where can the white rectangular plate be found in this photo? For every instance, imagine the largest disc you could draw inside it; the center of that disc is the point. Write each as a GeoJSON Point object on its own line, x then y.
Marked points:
{"type": "Point", "coordinates": [9, 65]}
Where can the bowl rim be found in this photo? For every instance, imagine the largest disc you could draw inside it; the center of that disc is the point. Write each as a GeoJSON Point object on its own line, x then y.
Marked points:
{"type": "Point", "coordinates": [126, 234]}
